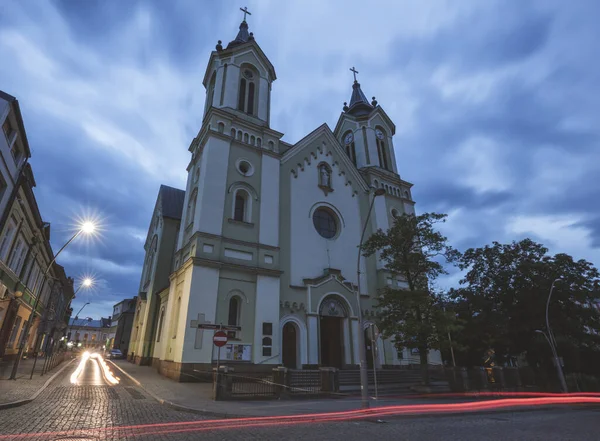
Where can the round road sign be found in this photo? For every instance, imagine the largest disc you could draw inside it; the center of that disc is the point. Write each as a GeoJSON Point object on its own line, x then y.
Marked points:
{"type": "Point", "coordinates": [220, 339]}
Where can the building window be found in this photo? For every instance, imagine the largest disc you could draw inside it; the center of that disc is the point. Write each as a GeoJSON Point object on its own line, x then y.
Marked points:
{"type": "Point", "coordinates": [191, 208]}
{"type": "Point", "coordinates": [22, 336]}
{"type": "Point", "coordinates": [381, 150]}
{"type": "Point", "coordinates": [267, 344]}
{"type": "Point", "coordinates": [3, 185]}
{"type": "Point", "coordinates": [350, 148]}
{"type": "Point", "coordinates": [325, 222]}
{"type": "Point", "coordinates": [211, 92]}
{"type": "Point", "coordinates": [247, 92]}
{"type": "Point", "coordinates": [240, 206]}
{"type": "Point", "coordinates": [7, 239]}
{"type": "Point", "coordinates": [18, 255]}
{"type": "Point", "coordinates": [7, 128]}
{"type": "Point", "coordinates": [14, 332]}
{"type": "Point", "coordinates": [233, 315]}
{"type": "Point", "coordinates": [160, 323]}
{"type": "Point", "coordinates": [267, 328]}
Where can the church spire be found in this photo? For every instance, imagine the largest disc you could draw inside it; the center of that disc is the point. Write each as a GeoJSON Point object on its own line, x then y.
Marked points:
{"type": "Point", "coordinates": [243, 36]}
{"type": "Point", "coordinates": [359, 105]}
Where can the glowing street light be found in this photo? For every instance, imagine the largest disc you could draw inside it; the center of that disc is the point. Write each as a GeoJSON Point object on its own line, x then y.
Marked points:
{"type": "Point", "coordinates": [86, 227]}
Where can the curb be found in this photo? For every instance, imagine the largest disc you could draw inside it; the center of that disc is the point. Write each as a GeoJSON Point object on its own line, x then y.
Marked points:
{"type": "Point", "coordinates": [229, 415]}
{"type": "Point", "coordinates": [36, 394]}
{"type": "Point", "coordinates": [176, 406]}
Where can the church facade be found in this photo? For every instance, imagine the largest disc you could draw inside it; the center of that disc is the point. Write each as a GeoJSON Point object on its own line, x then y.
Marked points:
{"type": "Point", "coordinates": [266, 234]}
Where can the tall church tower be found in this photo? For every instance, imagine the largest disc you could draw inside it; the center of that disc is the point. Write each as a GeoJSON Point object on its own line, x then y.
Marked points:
{"type": "Point", "coordinates": [365, 132]}
{"type": "Point", "coordinates": [226, 268]}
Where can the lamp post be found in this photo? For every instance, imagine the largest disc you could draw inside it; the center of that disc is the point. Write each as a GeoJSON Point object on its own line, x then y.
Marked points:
{"type": "Point", "coordinates": [87, 228]}
{"type": "Point", "coordinates": [552, 342]}
{"type": "Point", "coordinates": [87, 283]}
{"type": "Point", "coordinates": [364, 382]}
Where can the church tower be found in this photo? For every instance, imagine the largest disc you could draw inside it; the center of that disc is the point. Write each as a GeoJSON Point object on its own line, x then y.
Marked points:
{"type": "Point", "coordinates": [365, 131]}
{"type": "Point", "coordinates": [226, 268]}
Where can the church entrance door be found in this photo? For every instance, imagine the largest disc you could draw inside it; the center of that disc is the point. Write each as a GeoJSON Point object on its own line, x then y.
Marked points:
{"type": "Point", "coordinates": [331, 342]}
{"type": "Point", "coordinates": [332, 314]}
{"type": "Point", "coordinates": [290, 346]}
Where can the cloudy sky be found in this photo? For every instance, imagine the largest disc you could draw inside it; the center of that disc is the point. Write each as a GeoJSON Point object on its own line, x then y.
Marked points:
{"type": "Point", "coordinates": [496, 105]}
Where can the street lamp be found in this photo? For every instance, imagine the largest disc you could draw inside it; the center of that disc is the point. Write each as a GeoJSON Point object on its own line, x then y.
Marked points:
{"type": "Point", "coordinates": [86, 228]}
{"type": "Point", "coordinates": [364, 382]}
{"type": "Point", "coordinates": [552, 341]}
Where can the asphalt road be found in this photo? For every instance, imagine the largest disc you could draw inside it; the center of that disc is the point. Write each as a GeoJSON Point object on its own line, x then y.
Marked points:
{"type": "Point", "coordinates": [88, 407]}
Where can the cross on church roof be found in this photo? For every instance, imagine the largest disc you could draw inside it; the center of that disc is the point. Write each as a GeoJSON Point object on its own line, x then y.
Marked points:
{"type": "Point", "coordinates": [245, 11]}
{"type": "Point", "coordinates": [354, 71]}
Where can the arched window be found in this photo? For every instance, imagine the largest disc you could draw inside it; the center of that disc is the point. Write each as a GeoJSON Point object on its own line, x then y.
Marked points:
{"type": "Point", "coordinates": [221, 127]}
{"type": "Point", "coordinates": [160, 323]}
{"type": "Point", "coordinates": [233, 133]}
{"type": "Point", "coordinates": [150, 262]}
{"type": "Point", "coordinates": [247, 91]}
{"type": "Point", "coordinates": [211, 92]}
{"type": "Point", "coordinates": [350, 148]}
{"type": "Point", "coordinates": [191, 208]}
{"type": "Point", "coordinates": [381, 150]}
{"type": "Point", "coordinates": [233, 316]}
{"type": "Point", "coordinates": [271, 145]}
{"type": "Point", "coordinates": [240, 206]}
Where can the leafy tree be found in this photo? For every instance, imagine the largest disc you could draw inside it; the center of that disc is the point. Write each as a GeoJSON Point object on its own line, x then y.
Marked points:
{"type": "Point", "coordinates": [415, 250]}
{"type": "Point", "coordinates": [502, 301]}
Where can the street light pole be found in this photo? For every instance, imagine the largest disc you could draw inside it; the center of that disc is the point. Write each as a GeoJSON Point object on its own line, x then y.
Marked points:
{"type": "Point", "coordinates": [85, 228]}
{"type": "Point", "coordinates": [364, 382]}
{"type": "Point", "coordinates": [552, 341]}
{"type": "Point", "coordinates": [76, 315]}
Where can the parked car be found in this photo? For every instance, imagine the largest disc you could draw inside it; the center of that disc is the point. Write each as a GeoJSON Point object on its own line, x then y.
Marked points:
{"type": "Point", "coordinates": [115, 354]}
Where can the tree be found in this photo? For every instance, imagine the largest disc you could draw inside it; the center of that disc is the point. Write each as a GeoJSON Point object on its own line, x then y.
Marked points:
{"type": "Point", "coordinates": [413, 249]}
{"type": "Point", "coordinates": [502, 302]}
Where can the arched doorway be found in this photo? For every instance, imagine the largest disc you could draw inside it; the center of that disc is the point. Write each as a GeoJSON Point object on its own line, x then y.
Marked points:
{"type": "Point", "coordinates": [289, 346]}
{"type": "Point", "coordinates": [331, 322]}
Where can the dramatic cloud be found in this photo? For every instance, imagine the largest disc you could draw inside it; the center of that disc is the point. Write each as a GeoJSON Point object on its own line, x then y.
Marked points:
{"type": "Point", "coordinates": [495, 102]}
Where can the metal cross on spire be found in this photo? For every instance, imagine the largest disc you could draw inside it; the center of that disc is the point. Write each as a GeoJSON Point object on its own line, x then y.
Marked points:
{"type": "Point", "coordinates": [245, 11]}
{"type": "Point", "coordinates": [354, 71]}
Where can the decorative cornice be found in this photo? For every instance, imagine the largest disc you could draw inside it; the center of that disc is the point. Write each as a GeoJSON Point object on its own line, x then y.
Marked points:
{"type": "Point", "coordinates": [200, 261]}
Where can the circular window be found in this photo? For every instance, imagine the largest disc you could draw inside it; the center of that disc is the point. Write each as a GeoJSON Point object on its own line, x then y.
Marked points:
{"type": "Point", "coordinates": [248, 74]}
{"type": "Point", "coordinates": [244, 167]}
{"type": "Point", "coordinates": [325, 222]}
{"type": "Point", "coordinates": [394, 213]}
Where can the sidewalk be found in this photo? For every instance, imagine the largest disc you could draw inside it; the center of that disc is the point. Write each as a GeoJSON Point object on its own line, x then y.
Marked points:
{"type": "Point", "coordinates": [23, 389]}
{"type": "Point", "coordinates": [197, 397]}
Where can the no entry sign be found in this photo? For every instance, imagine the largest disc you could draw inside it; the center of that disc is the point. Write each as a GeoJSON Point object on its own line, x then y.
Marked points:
{"type": "Point", "coordinates": [220, 339]}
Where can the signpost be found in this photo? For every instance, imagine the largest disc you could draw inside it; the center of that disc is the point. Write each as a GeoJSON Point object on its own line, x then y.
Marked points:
{"type": "Point", "coordinates": [220, 340]}
{"type": "Point", "coordinates": [219, 337]}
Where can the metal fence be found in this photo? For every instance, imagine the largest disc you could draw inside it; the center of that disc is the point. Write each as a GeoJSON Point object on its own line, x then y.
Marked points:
{"type": "Point", "coordinates": [250, 384]}
{"type": "Point", "coordinates": [304, 381]}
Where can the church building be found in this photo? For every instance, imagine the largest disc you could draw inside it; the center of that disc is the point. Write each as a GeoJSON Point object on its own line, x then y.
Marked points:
{"type": "Point", "coordinates": [265, 236]}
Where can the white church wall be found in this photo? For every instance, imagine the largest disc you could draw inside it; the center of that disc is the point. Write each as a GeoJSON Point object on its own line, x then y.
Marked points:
{"type": "Point", "coordinates": [311, 253]}
{"type": "Point", "coordinates": [210, 204]}
{"type": "Point", "coordinates": [266, 310]}
{"type": "Point", "coordinates": [201, 298]}
{"type": "Point", "coordinates": [269, 207]}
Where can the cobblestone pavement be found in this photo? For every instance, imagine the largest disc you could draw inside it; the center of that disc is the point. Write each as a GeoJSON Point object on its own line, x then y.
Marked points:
{"type": "Point", "coordinates": [23, 387]}
{"type": "Point", "coordinates": [92, 410]}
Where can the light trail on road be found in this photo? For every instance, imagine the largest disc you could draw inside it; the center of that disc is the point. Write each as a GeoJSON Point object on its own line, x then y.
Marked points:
{"type": "Point", "coordinates": [277, 421]}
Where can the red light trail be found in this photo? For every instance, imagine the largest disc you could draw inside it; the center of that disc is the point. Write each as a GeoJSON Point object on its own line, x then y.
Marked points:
{"type": "Point", "coordinates": [273, 421]}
